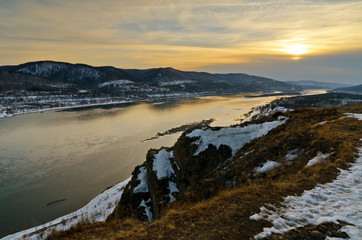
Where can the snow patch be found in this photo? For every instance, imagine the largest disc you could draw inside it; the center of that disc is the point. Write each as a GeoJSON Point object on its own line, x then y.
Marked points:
{"type": "Point", "coordinates": [291, 155]}
{"type": "Point", "coordinates": [355, 115]}
{"type": "Point", "coordinates": [252, 114]}
{"type": "Point", "coordinates": [317, 159]}
{"type": "Point", "coordinates": [116, 82]}
{"type": "Point", "coordinates": [258, 113]}
{"type": "Point", "coordinates": [162, 165]}
{"type": "Point", "coordinates": [282, 117]}
{"type": "Point", "coordinates": [177, 166]}
{"type": "Point", "coordinates": [267, 167]}
{"type": "Point", "coordinates": [339, 200]}
{"type": "Point", "coordinates": [143, 185]}
{"type": "Point", "coordinates": [173, 188]}
{"type": "Point", "coordinates": [234, 137]}
{"type": "Point", "coordinates": [147, 210]}
{"type": "Point", "coordinates": [176, 82]}
{"type": "Point", "coordinates": [97, 210]}
{"type": "Point", "coordinates": [5, 115]}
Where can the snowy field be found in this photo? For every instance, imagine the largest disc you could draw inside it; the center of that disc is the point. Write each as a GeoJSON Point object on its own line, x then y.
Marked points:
{"type": "Point", "coordinates": [339, 200]}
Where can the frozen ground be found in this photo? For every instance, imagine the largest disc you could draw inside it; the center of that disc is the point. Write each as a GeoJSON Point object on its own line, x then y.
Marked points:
{"type": "Point", "coordinates": [97, 210]}
{"type": "Point", "coordinates": [339, 200]}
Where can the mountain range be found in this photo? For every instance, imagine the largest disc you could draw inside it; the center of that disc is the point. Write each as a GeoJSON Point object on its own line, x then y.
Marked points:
{"type": "Point", "coordinates": [135, 81]}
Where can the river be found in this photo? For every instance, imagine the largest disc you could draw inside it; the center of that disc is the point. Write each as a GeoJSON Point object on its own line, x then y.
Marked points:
{"type": "Point", "coordinates": [53, 163]}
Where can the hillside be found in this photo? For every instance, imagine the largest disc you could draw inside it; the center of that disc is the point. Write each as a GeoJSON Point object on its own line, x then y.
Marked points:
{"type": "Point", "coordinates": [355, 89]}
{"type": "Point", "coordinates": [279, 174]}
{"type": "Point", "coordinates": [10, 81]}
{"type": "Point", "coordinates": [308, 84]}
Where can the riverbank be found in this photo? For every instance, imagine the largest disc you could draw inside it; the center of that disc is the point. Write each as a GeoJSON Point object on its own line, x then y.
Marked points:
{"type": "Point", "coordinates": [43, 106]}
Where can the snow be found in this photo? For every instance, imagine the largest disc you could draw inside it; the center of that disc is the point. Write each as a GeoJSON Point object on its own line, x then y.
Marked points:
{"type": "Point", "coordinates": [147, 210]}
{"type": "Point", "coordinates": [97, 210]}
{"type": "Point", "coordinates": [267, 167]}
{"type": "Point", "coordinates": [116, 82]}
{"type": "Point", "coordinates": [355, 115]}
{"type": "Point", "coordinates": [258, 113]}
{"type": "Point", "coordinates": [176, 82]}
{"type": "Point", "coordinates": [162, 165]}
{"type": "Point", "coordinates": [142, 177]}
{"type": "Point", "coordinates": [317, 159]}
{"type": "Point", "coordinates": [177, 166]}
{"type": "Point", "coordinates": [173, 188]}
{"type": "Point", "coordinates": [5, 115]}
{"type": "Point", "coordinates": [282, 117]}
{"type": "Point", "coordinates": [321, 123]}
{"type": "Point", "coordinates": [291, 155]}
{"type": "Point", "coordinates": [253, 113]}
{"type": "Point", "coordinates": [234, 137]}
{"type": "Point", "coordinates": [279, 109]}
{"type": "Point", "coordinates": [339, 200]}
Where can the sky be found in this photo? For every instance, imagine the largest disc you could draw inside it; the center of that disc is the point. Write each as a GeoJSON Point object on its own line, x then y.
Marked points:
{"type": "Point", "coordinates": [285, 40]}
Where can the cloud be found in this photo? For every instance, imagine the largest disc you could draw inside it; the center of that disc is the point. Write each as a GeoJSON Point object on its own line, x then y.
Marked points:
{"type": "Point", "coordinates": [342, 67]}
{"type": "Point", "coordinates": [189, 33]}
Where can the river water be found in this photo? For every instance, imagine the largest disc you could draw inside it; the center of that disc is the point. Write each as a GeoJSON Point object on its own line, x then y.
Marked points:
{"type": "Point", "coordinates": [73, 156]}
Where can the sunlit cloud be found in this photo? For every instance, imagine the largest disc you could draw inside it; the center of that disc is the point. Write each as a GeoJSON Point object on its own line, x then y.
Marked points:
{"type": "Point", "coordinates": [185, 34]}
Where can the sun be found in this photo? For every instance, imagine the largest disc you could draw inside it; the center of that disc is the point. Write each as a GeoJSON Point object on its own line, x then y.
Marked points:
{"type": "Point", "coordinates": [296, 49]}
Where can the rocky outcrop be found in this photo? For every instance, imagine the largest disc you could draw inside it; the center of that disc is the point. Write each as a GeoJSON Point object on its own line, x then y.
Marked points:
{"type": "Point", "coordinates": [174, 173]}
{"type": "Point", "coordinates": [152, 186]}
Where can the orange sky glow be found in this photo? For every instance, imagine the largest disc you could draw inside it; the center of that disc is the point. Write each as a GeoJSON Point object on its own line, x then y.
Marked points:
{"type": "Point", "coordinates": [319, 40]}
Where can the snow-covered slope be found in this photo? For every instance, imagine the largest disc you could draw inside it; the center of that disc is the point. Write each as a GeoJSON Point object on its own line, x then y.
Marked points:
{"type": "Point", "coordinates": [235, 137]}
{"type": "Point", "coordinates": [340, 200]}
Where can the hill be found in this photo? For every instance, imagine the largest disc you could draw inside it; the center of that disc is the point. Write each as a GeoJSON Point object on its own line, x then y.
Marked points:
{"type": "Point", "coordinates": [308, 84]}
{"type": "Point", "coordinates": [10, 81]}
{"type": "Point", "coordinates": [355, 89]}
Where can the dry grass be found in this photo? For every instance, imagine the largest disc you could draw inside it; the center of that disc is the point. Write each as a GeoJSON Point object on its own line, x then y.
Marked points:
{"type": "Point", "coordinates": [226, 215]}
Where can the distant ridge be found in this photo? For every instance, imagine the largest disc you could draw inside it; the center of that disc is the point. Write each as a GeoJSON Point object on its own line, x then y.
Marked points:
{"type": "Point", "coordinates": [157, 80]}
{"type": "Point", "coordinates": [353, 89]}
{"type": "Point", "coordinates": [309, 84]}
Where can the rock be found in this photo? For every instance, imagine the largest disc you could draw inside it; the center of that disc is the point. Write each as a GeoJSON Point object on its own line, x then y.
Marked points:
{"type": "Point", "coordinates": [316, 235]}
{"type": "Point", "coordinates": [168, 174]}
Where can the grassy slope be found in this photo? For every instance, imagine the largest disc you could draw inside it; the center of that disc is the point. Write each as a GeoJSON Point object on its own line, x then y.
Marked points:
{"type": "Point", "coordinates": [226, 215]}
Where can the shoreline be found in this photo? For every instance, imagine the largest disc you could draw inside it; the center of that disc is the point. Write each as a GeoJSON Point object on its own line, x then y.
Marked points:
{"type": "Point", "coordinates": [152, 99]}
